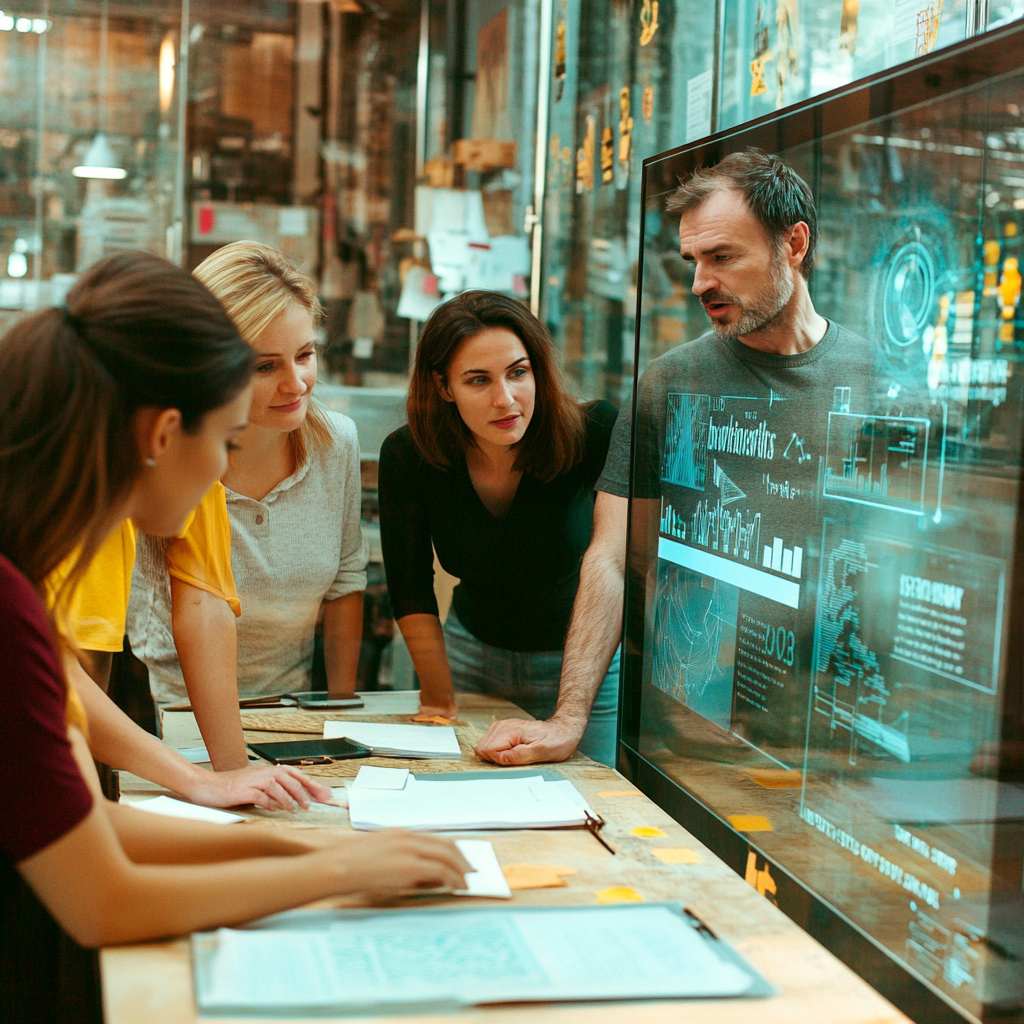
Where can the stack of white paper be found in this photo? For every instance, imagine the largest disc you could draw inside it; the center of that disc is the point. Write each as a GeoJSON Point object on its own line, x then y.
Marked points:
{"type": "Point", "coordinates": [386, 740]}
{"type": "Point", "coordinates": [467, 804]}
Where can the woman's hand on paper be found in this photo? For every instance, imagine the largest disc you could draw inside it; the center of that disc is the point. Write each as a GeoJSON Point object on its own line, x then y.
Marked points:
{"type": "Point", "coordinates": [526, 741]}
{"type": "Point", "coordinates": [388, 864]}
{"type": "Point", "coordinates": [272, 787]}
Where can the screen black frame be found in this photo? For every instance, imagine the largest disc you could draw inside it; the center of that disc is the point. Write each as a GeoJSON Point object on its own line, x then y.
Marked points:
{"type": "Point", "coordinates": [970, 63]}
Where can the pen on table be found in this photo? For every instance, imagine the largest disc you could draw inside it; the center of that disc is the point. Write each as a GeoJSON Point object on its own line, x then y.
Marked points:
{"type": "Point", "coordinates": [594, 826]}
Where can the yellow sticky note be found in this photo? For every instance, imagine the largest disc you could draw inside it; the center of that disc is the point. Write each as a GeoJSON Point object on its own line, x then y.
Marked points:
{"type": "Point", "coordinates": [619, 793]}
{"type": "Point", "coordinates": [750, 823]}
{"type": "Point", "coordinates": [648, 832]}
{"type": "Point", "coordinates": [536, 876]}
{"type": "Point", "coordinates": [619, 894]}
{"type": "Point", "coordinates": [676, 855]}
{"type": "Point", "coordinates": [776, 778]}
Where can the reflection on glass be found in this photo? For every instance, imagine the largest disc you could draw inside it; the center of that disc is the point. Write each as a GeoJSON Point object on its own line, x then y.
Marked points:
{"type": "Point", "coordinates": [778, 52]}
{"type": "Point", "coordinates": [826, 591]}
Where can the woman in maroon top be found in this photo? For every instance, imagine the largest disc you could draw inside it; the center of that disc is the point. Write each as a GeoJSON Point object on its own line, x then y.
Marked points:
{"type": "Point", "coordinates": [124, 403]}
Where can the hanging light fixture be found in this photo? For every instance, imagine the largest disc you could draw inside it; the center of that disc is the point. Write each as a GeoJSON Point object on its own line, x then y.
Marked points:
{"type": "Point", "coordinates": [100, 161]}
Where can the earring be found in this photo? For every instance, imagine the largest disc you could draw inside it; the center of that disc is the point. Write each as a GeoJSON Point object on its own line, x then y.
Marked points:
{"type": "Point", "coordinates": [149, 462]}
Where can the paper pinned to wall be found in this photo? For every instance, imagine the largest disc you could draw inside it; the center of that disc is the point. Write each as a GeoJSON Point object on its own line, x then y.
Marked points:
{"type": "Point", "coordinates": [698, 106]}
{"type": "Point", "coordinates": [421, 294]}
{"type": "Point", "coordinates": [460, 210]}
{"type": "Point", "coordinates": [292, 222]}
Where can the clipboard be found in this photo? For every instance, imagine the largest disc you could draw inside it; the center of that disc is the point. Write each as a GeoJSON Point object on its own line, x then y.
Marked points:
{"type": "Point", "coordinates": [275, 700]}
{"type": "Point", "coordinates": [298, 964]}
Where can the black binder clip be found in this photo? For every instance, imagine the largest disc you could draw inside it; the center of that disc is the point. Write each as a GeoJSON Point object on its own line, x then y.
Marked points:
{"type": "Point", "coordinates": [699, 924]}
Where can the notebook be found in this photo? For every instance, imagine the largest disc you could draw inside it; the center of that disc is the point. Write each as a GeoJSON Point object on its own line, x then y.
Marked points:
{"type": "Point", "coordinates": [387, 740]}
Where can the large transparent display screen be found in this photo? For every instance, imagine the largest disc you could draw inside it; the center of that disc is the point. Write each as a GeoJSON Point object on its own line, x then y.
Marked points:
{"type": "Point", "coordinates": [826, 549]}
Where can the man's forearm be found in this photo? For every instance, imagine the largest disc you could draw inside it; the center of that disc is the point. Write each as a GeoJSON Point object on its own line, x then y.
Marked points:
{"type": "Point", "coordinates": [343, 634]}
{"type": "Point", "coordinates": [594, 632]}
{"type": "Point", "coordinates": [207, 643]}
{"type": "Point", "coordinates": [115, 740]}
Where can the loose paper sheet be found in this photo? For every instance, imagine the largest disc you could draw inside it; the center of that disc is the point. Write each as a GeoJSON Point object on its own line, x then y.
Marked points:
{"type": "Point", "coordinates": [487, 878]}
{"type": "Point", "coordinates": [180, 809]}
{"type": "Point", "coordinates": [371, 777]}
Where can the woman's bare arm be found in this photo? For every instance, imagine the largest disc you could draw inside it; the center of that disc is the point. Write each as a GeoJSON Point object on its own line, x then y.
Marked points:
{"type": "Point", "coordinates": [100, 896]}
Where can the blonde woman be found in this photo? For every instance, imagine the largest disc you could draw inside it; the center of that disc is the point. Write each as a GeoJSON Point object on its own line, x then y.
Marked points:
{"type": "Point", "coordinates": [293, 495]}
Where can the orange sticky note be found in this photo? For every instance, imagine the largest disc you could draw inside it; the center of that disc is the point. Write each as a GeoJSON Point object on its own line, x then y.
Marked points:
{"type": "Point", "coordinates": [619, 894]}
{"type": "Point", "coordinates": [619, 793]}
{"type": "Point", "coordinates": [536, 876]}
{"type": "Point", "coordinates": [433, 719]}
{"type": "Point", "coordinates": [648, 832]}
{"type": "Point", "coordinates": [676, 855]}
{"type": "Point", "coordinates": [776, 778]}
{"type": "Point", "coordinates": [750, 823]}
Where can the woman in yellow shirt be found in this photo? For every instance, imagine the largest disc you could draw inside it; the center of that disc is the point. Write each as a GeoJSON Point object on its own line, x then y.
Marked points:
{"type": "Point", "coordinates": [123, 405]}
{"type": "Point", "coordinates": [199, 560]}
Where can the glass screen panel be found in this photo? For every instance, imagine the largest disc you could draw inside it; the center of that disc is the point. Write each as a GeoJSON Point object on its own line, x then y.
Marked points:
{"type": "Point", "coordinates": [823, 548]}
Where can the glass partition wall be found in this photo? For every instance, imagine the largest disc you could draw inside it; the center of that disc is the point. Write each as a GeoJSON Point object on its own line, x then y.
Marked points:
{"type": "Point", "coordinates": [823, 646]}
{"type": "Point", "coordinates": [630, 79]}
{"type": "Point", "coordinates": [90, 141]}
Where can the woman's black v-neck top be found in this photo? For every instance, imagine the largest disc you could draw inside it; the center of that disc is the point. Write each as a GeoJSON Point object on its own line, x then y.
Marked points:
{"type": "Point", "coordinates": [518, 574]}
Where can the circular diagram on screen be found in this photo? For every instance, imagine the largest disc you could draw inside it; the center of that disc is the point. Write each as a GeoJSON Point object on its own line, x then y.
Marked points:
{"type": "Point", "coordinates": [910, 273]}
{"type": "Point", "coordinates": [908, 294]}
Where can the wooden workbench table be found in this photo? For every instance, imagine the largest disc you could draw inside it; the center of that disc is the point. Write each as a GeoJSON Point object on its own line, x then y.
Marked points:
{"type": "Point", "coordinates": [151, 983]}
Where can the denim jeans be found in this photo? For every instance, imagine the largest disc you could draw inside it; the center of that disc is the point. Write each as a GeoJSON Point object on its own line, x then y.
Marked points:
{"type": "Point", "coordinates": [529, 679]}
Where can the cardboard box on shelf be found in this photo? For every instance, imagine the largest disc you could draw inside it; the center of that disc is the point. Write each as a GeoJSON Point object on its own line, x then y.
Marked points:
{"type": "Point", "coordinates": [484, 154]}
{"type": "Point", "coordinates": [440, 172]}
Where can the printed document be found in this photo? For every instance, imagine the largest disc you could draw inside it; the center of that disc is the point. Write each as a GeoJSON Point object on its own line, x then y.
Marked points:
{"type": "Point", "coordinates": [354, 962]}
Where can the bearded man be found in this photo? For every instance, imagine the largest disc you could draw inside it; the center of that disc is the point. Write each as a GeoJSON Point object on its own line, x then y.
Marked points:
{"type": "Point", "coordinates": [735, 419]}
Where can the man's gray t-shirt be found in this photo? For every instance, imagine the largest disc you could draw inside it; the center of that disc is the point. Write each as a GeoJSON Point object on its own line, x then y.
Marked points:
{"type": "Point", "coordinates": [796, 390]}
{"type": "Point", "coordinates": [734, 446]}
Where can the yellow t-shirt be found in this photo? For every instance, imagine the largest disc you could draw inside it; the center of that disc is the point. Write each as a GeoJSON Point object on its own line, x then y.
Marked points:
{"type": "Point", "coordinates": [200, 556]}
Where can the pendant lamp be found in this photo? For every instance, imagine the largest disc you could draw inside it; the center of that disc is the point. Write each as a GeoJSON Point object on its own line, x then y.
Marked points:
{"type": "Point", "coordinates": [100, 161]}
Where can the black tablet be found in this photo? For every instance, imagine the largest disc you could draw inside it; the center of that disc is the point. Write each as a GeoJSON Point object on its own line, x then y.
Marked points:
{"type": "Point", "coordinates": [306, 752]}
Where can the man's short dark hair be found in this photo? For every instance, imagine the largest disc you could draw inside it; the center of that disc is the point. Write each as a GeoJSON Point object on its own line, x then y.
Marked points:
{"type": "Point", "coordinates": [776, 195]}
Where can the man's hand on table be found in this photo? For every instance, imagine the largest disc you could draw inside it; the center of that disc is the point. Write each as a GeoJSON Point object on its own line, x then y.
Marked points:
{"type": "Point", "coordinates": [513, 741]}
{"type": "Point", "coordinates": [272, 787]}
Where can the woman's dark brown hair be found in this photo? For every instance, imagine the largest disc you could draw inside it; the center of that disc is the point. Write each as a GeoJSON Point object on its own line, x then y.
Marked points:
{"type": "Point", "coordinates": [553, 442]}
{"type": "Point", "coordinates": [135, 332]}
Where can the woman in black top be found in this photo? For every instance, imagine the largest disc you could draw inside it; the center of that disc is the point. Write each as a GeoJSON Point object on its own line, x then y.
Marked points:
{"type": "Point", "coordinates": [495, 471]}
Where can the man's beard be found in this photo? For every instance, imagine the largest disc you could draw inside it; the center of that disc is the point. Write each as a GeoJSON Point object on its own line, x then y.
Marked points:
{"type": "Point", "coordinates": [766, 307]}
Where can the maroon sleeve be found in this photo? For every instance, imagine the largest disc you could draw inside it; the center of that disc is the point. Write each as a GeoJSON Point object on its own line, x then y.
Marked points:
{"type": "Point", "coordinates": [43, 791]}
